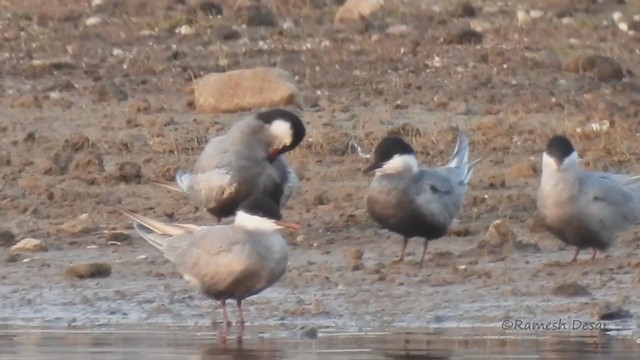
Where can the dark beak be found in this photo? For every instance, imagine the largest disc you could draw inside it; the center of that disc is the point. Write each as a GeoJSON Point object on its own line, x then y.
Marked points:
{"type": "Point", "coordinates": [372, 167]}
{"type": "Point", "coordinates": [273, 154]}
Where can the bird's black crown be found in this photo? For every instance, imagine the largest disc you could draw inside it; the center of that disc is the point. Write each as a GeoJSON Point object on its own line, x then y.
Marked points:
{"type": "Point", "coordinates": [559, 147]}
{"type": "Point", "coordinates": [390, 147]}
{"type": "Point", "coordinates": [260, 205]}
{"type": "Point", "coordinates": [297, 127]}
{"type": "Point", "coordinates": [386, 149]}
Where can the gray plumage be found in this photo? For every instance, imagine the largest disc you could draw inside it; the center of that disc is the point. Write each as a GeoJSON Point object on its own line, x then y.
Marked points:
{"type": "Point", "coordinates": [414, 201]}
{"type": "Point", "coordinates": [226, 261]}
{"type": "Point", "coordinates": [582, 208]}
{"type": "Point", "coordinates": [247, 160]}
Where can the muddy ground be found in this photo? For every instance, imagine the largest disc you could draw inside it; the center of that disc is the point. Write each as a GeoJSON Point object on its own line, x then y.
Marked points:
{"type": "Point", "coordinates": [78, 101]}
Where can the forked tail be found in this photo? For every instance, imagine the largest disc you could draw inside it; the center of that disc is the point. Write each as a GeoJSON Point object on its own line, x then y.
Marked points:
{"type": "Point", "coordinates": [460, 158]}
{"type": "Point", "coordinates": [158, 233]}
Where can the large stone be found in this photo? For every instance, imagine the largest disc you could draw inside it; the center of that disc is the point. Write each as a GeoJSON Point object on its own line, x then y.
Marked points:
{"type": "Point", "coordinates": [501, 239]}
{"type": "Point", "coordinates": [356, 10]}
{"type": "Point", "coordinates": [247, 89]}
{"type": "Point", "coordinates": [30, 244]}
{"type": "Point", "coordinates": [602, 67]}
{"type": "Point", "coordinates": [87, 271]}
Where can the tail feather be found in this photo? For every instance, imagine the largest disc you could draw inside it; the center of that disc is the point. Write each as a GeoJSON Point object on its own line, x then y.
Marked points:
{"type": "Point", "coordinates": [183, 179]}
{"type": "Point", "coordinates": [469, 169]}
{"type": "Point", "coordinates": [167, 185]}
{"type": "Point", "coordinates": [157, 240]}
{"type": "Point", "coordinates": [461, 152]}
{"type": "Point", "coordinates": [460, 158]}
{"type": "Point", "coordinates": [160, 227]}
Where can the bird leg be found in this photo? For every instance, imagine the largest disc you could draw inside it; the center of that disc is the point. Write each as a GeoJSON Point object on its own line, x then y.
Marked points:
{"type": "Point", "coordinates": [575, 256]}
{"type": "Point", "coordinates": [424, 251]}
{"type": "Point", "coordinates": [225, 315]}
{"type": "Point", "coordinates": [405, 241]}
{"type": "Point", "coordinates": [595, 252]}
{"type": "Point", "coordinates": [240, 314]}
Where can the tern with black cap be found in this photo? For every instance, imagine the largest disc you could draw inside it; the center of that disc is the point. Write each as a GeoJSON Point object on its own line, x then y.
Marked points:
{"type": "Point", "coordinates": [582, 208]}
{"type": "Point", "coordinates": [247, 160]}
{"type": "Point", "coordinates": [226, 262]}
{"type": "Point", "coordinates": [413, 201]}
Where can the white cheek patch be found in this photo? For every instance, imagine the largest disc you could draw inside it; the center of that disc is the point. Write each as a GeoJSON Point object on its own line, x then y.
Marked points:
{"type": "Point", "coordinates": [399, 163]}
{"type": "Point", "coordinates": [253, 222]}
{"type": "Point", "coordinates": [282, 131]}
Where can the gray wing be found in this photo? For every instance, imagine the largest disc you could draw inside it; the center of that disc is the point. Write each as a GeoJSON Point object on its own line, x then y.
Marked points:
{"type": "Point", "coordinates": [211, 179]}
{"type": "Point", "coordinates": [216, 155]}
{"type": "Point", "coordinates": [213, 253]}
{"type": "Point", "coordinates": [438, 195]}
{"type": "Point", "coordinates": [288, 177]}
{"type": "Point", "coordinates": [605, 201]}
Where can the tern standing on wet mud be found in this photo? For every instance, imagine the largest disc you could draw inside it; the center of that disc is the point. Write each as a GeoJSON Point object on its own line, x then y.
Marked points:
{"type": "Point", "coordinates": [247, 160]}
{"type": "Point", "coordinates": [412, 201]}
{"type": "Point", "coordinates": [582, 208]}
{"type": "Point", "coordinates": [225, 261]}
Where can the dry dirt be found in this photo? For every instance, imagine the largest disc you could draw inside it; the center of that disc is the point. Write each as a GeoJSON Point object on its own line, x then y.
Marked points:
{"type": "Point", "coordinates": [90, 114]}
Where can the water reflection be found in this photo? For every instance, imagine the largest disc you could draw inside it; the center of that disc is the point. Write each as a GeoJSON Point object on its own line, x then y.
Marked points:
{"type": "Point", "coordinates": [267, 344]}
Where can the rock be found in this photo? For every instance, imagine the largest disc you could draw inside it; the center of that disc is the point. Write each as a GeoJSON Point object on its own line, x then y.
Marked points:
{"type": "Point", "coordinates": [86, 162]}
{"type": "Point", "coordinates": [226, 33]}
{"type": "Point", "coordinates": [210, 8]}
{"type": "Point", "coordinates": [398, 29]}
{"type": "Point", "coordinates": [117, 237]}
{"type": "Point", "coordinates": [242, 90]}
{"type": "Point", "coordinates": [185, 30]}
{"type": "Point", "coordinates": [571, 289]}
{"type": "Point", "coordinates": [30, 245]}
{"type": "Point", "coordinates": [7, 238]}
{"type": "Point", "coordinates": [610, 312]}
{"type": "Point", "coordinates": [59, 163]}
{"type": "Point", "coordinates": [29, 138]}
{"type": "Point", "coordinates": [129, 172]}
{"type": "Point", "coordinates": [464, 37]}
{"type": "Point", "coordinates": [463, 9]}
{"type": "Point", "coordinates": [602, 67]}
{"type": "Point", "coordinates": [357, 10]}
{"type": "Point", "coordinates": [5, 157]}
{"type": "Point", "coordinates": [81, 225]}
{"type": "Point", "coordinates": [38, 68]}
{"type": "Point", "coordinates": [93, 21]}
{"type": "Point", "coordinates": [354, 255]}
{"type": "Point", "coordinates": [78, 141]}
{"type": "Point", "coordinates": [500, 238]}
{"type": "Point", "coordinates": [256, 15]}
{"type": "Point", "coordinates": [87, 271]}
{"type": "Point", "coordinates": [12, 258]}
{"type": "Point", "coordinates": [28, 101]}
{"type": "Point", "coordinates": [307, 332]}
{"type": "Point", "coordinates": [108, 91]}
{"type": "Point", "coordinates": [139, 106]}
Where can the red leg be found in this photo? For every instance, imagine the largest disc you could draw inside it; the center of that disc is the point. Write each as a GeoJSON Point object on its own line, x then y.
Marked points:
{"type": "Point", "coordinates": [575, 256]}
{"type": "Point", "coordinates": [225, 315]}
{"type": "Point", "coordinates": [404, 247]}
{"type": "Point", "coordinates": [424, 251]}
{"type": "Point", "coordinates": [240, 313]}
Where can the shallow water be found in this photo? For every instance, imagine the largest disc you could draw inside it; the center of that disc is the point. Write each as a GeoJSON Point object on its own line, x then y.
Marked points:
{"type": "Point", "coordinates": [270, 343]}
